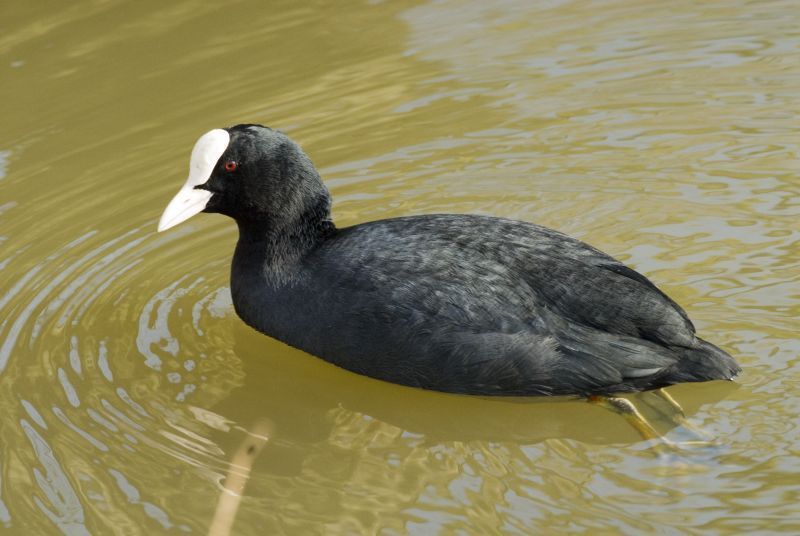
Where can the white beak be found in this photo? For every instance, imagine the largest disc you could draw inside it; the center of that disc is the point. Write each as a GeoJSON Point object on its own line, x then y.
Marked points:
{"type": "Point", "coordinates": [190, 201]}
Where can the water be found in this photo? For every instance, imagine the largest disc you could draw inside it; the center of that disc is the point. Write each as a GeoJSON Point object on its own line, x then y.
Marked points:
{"type": "Point", "coordinates": [665, 134]}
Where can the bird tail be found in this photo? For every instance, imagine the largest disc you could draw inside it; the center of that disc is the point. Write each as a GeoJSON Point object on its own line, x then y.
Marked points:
{"type": "Point", "coordinates": [703, 362]}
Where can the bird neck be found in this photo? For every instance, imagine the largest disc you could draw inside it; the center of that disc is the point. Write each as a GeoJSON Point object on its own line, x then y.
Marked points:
{"type": "Point", "coordinates": [274, 248]}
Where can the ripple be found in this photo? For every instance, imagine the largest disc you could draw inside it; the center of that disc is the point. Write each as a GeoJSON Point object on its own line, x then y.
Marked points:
{"type": "Point", "coordinates": [4, 155]}
{"type": "Point", "coordinates": [67, 511]}
{"type": "Point", "coordinates": [22, 317]}
{"type": "Point", "coordinates": [662, 134]}
{"type": "Point", "coordinates": [57, 308]}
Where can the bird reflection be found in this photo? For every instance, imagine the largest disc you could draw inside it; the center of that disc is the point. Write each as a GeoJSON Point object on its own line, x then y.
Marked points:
{"type": "Point", "coordinates": [299, 393]}
{"type": "Point", "coordinates": [315, 409]}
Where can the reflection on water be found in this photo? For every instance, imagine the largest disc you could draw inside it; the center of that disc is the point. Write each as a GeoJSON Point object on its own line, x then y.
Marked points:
{"type": "Point", "coordinates": [663, 134]}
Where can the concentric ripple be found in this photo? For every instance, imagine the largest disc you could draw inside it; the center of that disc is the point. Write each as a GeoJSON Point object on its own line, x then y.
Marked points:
{"type": "Point", "coordinates": [68, 324]}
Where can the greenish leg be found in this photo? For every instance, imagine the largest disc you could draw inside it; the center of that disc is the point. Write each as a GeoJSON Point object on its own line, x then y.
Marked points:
{"type": "Point", "coordinates": [626, 408]}
{"type": "Point", "coordinates": [678, 416]}
{"type": "Point", "coordinates": [674, 412]}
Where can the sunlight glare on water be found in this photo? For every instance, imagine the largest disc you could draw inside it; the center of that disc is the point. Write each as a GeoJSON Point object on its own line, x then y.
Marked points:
{"type": "Point", "coordinates": [662, 133]}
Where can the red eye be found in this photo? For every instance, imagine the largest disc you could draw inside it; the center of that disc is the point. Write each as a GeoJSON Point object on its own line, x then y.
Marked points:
{"type": "Point", "coordinates": [230, 165]}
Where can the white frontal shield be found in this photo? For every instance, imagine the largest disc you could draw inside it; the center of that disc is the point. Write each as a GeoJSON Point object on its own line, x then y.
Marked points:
{"type": "Point", "coordinates": [189, 201]}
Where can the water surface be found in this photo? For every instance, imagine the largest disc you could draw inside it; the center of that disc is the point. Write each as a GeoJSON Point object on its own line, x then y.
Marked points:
{"type": "Point", "coordinates": [663, 133]}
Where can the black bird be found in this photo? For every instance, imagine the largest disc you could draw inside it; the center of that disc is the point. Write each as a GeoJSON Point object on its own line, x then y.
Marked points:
{"type": "Point", "coordinates": [449, 302]}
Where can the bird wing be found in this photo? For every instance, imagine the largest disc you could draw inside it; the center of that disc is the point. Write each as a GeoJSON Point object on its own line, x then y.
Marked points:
{"type": "Point", "coordinates": [518, 304]}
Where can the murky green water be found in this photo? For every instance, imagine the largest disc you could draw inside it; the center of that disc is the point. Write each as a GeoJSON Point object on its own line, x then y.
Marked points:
{"type": "Point", "coordinates": [664, 133]}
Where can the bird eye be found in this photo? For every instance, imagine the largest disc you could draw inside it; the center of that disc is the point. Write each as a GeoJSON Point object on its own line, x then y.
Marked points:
{"type": "Point", "coordinates": [231, 165]}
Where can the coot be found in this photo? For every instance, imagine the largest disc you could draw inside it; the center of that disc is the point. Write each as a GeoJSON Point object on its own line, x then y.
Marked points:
{"type": "Point", "coordinates": [450, 302]}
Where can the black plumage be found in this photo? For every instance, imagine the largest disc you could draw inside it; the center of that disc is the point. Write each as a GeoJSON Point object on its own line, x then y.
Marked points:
{"type": "Point", "coordinates": [457, 303]}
